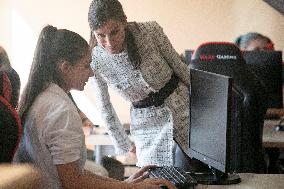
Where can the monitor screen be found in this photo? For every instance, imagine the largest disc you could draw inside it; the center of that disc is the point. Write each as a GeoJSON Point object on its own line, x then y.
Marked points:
{"type": "Point", "coordinates": [267, 66]}
{"type": "Point", "coordinates": [187, 56]}
{"type": "Point", "coordinates": [210, 123]}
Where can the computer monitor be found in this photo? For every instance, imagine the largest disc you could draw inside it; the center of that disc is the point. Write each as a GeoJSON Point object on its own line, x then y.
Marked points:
{"type": "Point", "coordinates": [267, 66]}
{"type": "Point", "coordinates": [187, 56]}
{"type": "Point", "coordinates": [210, 137]}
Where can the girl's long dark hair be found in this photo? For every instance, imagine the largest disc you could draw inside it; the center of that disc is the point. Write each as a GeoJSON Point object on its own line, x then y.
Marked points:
{"type": "Point", "coordinates": [52, 47]}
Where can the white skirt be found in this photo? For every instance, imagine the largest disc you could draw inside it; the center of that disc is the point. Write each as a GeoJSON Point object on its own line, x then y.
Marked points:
{"type": "Point", "coordinates": [155, 128]}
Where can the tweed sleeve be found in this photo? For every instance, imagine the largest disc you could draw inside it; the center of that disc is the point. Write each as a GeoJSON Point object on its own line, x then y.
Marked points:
{"type": "Point", "coordinates": [169, 53]}
{"type": "Point", "coordinates": [118, 136]}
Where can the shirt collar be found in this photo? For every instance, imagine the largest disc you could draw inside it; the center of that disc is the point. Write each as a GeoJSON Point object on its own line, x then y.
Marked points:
{"type": "Point", "coordinates": [54, 88]}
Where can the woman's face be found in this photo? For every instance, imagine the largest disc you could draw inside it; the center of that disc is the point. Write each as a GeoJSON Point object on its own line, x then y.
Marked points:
{"type": "Point", "coordinates": [111, 36]}
{"type": "Point", "coordinates": [78, 75]}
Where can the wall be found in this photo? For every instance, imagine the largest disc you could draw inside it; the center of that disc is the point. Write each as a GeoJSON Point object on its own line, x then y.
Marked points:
{"type": "Point", "coordinates": [5, 23]}
{"type": "Point", "coordinates": [191, 22]}
{"type": "Point", "coordinates": [187, 23]}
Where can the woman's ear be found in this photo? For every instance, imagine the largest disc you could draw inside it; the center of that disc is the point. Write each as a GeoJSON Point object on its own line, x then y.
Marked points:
{"type": "Point", "coordinates": [93, 40]}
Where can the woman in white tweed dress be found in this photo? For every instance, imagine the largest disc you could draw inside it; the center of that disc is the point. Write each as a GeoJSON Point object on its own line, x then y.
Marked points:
{"type": "Point", "coordinates": [138, 61]}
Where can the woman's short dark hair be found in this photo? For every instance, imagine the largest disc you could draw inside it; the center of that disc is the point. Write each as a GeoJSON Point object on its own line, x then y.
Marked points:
{"type": "Point", "coordinates": [101, 11]}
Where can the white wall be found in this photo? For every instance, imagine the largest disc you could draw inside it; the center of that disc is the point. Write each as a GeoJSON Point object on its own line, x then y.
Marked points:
{"type": "Point", "coordinates": [187, 23]}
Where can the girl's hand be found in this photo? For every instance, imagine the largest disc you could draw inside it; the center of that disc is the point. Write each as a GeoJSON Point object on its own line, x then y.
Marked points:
{"type": "Point", "coordinates": [141, 181]}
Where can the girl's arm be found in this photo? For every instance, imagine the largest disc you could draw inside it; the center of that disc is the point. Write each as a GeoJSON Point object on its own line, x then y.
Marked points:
{"type": "Point", "coordinates": [71, 177]}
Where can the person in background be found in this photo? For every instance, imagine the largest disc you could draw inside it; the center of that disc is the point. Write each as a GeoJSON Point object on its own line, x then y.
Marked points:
{"type": "Point", "coordinates": [14, 78]}
{"type": "Point", "coordinates": [254, 41]}
{"type": "Point", "coordinates": [10, 123]}
{"type": "Point", "coordinates": [138, 61]}
{"type": "Point", "coordinates": [53, 138]}
{"type": "Point", "coordinates": [5, 64]}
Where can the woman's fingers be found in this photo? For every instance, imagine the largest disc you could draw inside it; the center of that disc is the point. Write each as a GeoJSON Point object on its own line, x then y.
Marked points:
{"type": "Point", "coordinates": [141, 178]}
{"type": "Point", "coordinates": [145, 168]}
{"type": "Point", "coordinates": [140, 175]}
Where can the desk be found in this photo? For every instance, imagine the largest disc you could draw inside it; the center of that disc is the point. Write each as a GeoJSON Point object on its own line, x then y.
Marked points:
{"type": "Point", "coordinates": [100, 143]}
{"type": "Point", "coordinates": [272, 138]}
{"type": "Point", "coordinates": [98, 139]}
{"type": "Point", "coordinates": [271, 141]}
{"type": "Point", "coordinates": [252, 181]}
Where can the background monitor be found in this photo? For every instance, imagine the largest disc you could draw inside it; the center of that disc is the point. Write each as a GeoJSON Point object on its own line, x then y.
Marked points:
{"type": "Point", "coordinates": [210, 137]}
{"type": "Point", "coordinates": [187, 56]}
{"type": "Point", "coordinates": [267, 65]}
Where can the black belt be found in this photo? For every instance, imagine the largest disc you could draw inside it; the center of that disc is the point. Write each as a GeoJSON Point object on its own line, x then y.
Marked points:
{"type": "Point", "coordinates": [157, 98]}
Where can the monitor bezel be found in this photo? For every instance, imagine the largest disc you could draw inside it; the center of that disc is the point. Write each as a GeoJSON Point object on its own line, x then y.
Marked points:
{"type": "Point", "coordinates": [225, 166]}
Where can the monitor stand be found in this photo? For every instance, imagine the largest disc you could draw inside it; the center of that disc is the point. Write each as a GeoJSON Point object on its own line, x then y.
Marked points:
{"type": "Point", "coordinates": [216, 177]}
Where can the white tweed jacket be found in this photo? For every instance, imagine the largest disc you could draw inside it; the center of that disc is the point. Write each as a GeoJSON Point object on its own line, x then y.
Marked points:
{"type": "Point", "coordinates": [153, 128]}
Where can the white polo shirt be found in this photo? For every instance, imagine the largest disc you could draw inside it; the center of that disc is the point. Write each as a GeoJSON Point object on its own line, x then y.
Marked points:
{"type": "Point", "coordinates": [53, 135]}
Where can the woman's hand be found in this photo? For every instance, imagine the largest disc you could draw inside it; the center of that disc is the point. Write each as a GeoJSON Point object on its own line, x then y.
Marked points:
{"type": "Point", "coordinates": [140, 175]}
{"type": "Point", "coordinates": [133, 149]}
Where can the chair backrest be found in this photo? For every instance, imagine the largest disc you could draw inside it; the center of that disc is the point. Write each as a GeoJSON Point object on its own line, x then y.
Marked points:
{"type": "Point", "coordinates": [248, 105]}
{"type": "Point", "coordinates": [16, 85]}
{"type": "Point", "coordinates": [10, 124]}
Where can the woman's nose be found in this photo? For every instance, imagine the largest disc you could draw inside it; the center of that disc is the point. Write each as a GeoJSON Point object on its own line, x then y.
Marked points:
{"type": "Point", "coordinates": [109, 41]}
{"type": "Point", "coordinates": [91, 73]}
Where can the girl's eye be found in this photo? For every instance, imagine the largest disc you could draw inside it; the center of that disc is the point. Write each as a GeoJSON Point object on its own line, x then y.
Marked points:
{"type": "Point", "coordinates": [101, 35]}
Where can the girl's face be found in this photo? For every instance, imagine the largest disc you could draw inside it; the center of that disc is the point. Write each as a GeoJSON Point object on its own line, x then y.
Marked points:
{"type": "Point", "coordinates": [111, 36]}
{"type": "Point", "coordinates": [77, 75]}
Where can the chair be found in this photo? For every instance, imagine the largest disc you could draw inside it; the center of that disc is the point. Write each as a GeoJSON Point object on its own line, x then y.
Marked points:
{"type": "Point", "coordinates": [114, 167]}
{"type": "Point", "coordinates": [16, 85]}
{"type": "Point", "coordinates": [248, 104]}
{"type": "Point", "coordinates": [10, 124]}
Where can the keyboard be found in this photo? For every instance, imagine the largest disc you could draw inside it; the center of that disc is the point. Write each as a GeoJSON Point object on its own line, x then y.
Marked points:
{"type": "Point", "coordinates": [176, 175]}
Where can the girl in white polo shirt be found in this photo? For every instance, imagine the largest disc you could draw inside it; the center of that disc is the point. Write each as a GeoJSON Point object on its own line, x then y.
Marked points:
{"type": "Point", "coordinates": [53, 138]}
